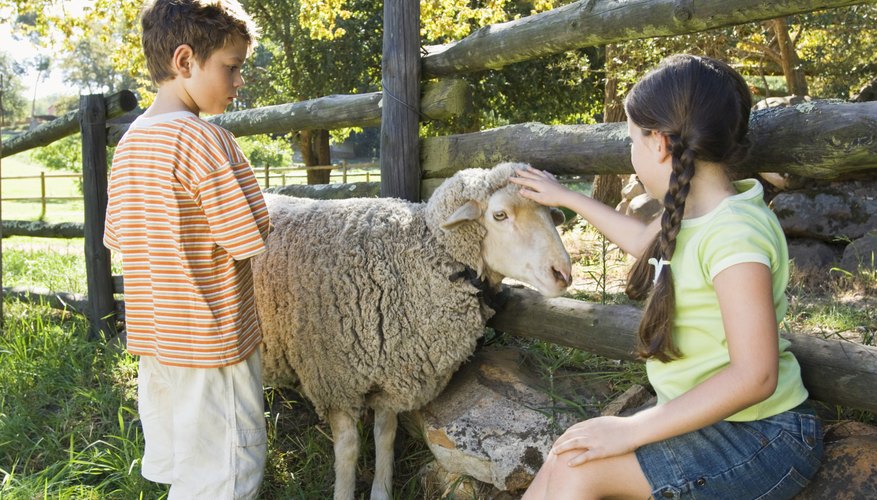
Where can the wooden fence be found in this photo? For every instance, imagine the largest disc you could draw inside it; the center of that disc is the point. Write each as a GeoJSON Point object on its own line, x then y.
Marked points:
{"type": "Point", "coordinates": [268, 176]}
{"type": "Point", "coordinates": [43, 198]}
{"type": "Point", "coordinates": [827, 140]}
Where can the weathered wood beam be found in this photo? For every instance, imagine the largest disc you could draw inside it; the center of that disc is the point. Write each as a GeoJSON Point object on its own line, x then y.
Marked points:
{"type": "Point", "coordinates": [400, 81]}
{"type": "Point", "coordinates": [330, 191]}
{"type": "Point", "coordinates": [834, 371]}
{"type": "Point", "coordinates": [98, 265]}
{"type": "Point", "coordinates": [72, 302]}
{"type": "Point", "coordinates": [589, 23]}
{"type": "Point", "coordinates": [56, 300]}
{"type": "Point", "coordinates": [329, 112]}
{"type": "Point", "coordinates": [43, 229]}
{"type": "Point", "coordinates": [47, 133]}
{"type": "Point", "coordinates": [441, 100]}
{"type": "Point", "coordinates": [819, 139]}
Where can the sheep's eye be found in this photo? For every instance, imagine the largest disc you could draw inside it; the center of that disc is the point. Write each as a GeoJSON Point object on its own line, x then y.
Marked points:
{"type": "Point", "coordinates": [500, 215]}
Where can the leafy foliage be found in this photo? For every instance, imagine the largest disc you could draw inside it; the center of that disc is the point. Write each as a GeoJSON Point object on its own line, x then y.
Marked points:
{"type": "Point", "coordinates": [13, 102]}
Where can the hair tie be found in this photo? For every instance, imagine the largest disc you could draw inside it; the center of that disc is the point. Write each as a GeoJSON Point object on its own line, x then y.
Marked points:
{"type": "Point", "coordinates": [659, 265]}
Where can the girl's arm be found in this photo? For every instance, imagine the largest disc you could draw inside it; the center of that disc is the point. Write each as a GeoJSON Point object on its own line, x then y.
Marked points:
{"type": "Point", "coordinates": [749, 318]}
{"type": "Point", "coordinates": [629, 233]}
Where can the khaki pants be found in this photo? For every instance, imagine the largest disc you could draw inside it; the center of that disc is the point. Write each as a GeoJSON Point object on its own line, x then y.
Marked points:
{"type": "Point", "coordinates": [204, 428]}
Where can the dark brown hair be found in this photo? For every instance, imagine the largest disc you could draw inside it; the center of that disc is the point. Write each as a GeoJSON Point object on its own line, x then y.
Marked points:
{"type": "Point", "coordinates": [204, 25]}
{"type": "Point", "coordinates": [702, 106]}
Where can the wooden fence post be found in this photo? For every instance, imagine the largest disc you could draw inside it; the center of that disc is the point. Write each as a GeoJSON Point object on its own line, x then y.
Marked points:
{"type": "Point", "coordinates": [43, 194]}
{"type": "Point", "coordinates": [101, 305]}
{"type": "Point", "coordinates": [400, 79]}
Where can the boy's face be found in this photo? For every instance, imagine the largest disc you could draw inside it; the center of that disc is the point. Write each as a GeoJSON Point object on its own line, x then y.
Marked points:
{"type": "Point", "coordinates": [214, 83]}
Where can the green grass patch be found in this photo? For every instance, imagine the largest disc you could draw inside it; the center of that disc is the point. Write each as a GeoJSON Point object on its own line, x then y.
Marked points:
{"type": "Point", "coordinates": [21, 165]}
{"type": "Point", "coordinates": [67, 420]}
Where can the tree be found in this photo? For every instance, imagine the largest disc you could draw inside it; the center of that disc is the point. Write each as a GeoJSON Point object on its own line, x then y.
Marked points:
{"type": "Point", "coordinates": [99, 42]}
{"type": "Point", "coordinates": [304, 54]}
{"type": "Point", "coordinates": [89, 66]}
{"type": "Point", "coordinates": [796, 82]}
{"type": "Point", "coordinates": [13, 106]}
{"type": "Point", "coordinates": [607, 188]}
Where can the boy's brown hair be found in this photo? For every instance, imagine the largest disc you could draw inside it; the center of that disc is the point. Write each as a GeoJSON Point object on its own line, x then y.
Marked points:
{"type": "Point", "coordinates": [204, 25]}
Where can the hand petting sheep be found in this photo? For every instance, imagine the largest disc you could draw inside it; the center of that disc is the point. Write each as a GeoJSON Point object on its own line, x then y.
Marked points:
{"type": "Point", "coordinates": [374, 303]}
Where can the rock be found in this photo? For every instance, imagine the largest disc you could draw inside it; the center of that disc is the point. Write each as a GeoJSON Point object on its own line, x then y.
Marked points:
{"type": "Point", "coordinates": [780, 101]}
{"type": "Point", "coordinates": [861, 254]}
{"type": "Point", "coordinates": [849, 467]}
{"type": "Point", "coordinates": [633, 188]}
{"type": "Point", "coordinates": [810, 254]}
{"type": "Point", "coordinates": [635, 201]}
{"type": "Point", "coordinates": [844, 210]}
{"type": "Point", "coordinates": [439, 483]}
{"type": "Point", "coordinates": [494, 422]}
{"type": "Point", "coordinates": [492, 427]}
{"type": "Point", "coordinates": [644, 207]}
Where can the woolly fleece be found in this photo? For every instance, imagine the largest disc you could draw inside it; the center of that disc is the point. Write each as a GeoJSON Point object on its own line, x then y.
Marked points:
{"type": "Point", "coordinates": [354, 296]}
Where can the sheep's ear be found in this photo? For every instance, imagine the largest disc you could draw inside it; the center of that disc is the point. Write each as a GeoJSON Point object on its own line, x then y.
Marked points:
{"type": "Point", "coordinates": [468, 211]}
{"type": "Point", "coordinates": [557, 216]}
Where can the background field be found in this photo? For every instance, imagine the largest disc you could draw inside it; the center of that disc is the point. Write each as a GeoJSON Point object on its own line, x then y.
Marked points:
{"type": "Point", "coordinates": [56, 210]}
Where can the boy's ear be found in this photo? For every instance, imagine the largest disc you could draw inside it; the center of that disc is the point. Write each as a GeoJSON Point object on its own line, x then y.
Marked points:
{"type": "Point", "coordinates": [183, 60]}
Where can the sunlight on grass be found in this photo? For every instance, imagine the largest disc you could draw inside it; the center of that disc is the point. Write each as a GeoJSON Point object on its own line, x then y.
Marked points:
{"type": "Point", "coordinates": [67, 427]}
{"type": "Point", "coordinates": [21, 165]}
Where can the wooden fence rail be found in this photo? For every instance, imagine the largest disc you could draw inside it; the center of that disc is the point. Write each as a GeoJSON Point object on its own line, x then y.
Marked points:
{"type": "Point", "coordinates": [116, 105]}
{"type": "Point", "coordinates": [279, 175]}
{"type": "Point", "coordinates": [592, 23]}
{"type": "Point", "coordinates": [834, 371]}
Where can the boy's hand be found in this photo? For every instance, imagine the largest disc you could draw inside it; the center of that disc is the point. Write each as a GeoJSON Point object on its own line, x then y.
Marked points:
{"type": "Point", "coordinates": [541, 187]}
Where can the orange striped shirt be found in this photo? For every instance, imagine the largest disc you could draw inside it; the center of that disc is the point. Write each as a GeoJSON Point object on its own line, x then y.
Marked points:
{"type": "Point", "coordinates": [186, 213]}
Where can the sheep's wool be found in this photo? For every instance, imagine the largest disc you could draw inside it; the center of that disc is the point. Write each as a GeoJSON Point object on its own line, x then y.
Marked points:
{"type": "Point", "coordinates": [355, 299]}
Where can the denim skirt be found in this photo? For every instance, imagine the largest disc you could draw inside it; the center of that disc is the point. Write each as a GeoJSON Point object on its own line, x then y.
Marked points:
{"type": "Point", "coordinates": [773, 458]}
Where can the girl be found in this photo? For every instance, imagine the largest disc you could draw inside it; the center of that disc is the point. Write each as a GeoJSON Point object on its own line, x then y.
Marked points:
{"type": "Point", "coordinates": [731, 419]}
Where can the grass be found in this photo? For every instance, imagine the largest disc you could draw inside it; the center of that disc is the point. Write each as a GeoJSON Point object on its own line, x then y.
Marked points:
{"type": "Point", "coordinates": [56, 210]}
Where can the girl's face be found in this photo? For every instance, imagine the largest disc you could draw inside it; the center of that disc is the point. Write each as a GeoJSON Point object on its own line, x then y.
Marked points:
{"type": "Point", "coordinates": [651, 161]}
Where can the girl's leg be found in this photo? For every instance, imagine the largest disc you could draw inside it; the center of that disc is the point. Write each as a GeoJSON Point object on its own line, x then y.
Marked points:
{"type": "Point", "coordinates": [616, 477]}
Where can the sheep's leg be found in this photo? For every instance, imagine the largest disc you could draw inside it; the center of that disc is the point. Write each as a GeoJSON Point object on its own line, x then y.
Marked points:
{"type": "Point", "coordinates": [346, 451]}
{"type": "Point", "coordinates": [385, 434]}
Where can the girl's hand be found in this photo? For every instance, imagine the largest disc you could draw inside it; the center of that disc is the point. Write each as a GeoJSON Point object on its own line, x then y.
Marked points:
{"type": "Point", "coordinates": [541, 187]}
{"type": "Point", "coordinates": [596, 438]}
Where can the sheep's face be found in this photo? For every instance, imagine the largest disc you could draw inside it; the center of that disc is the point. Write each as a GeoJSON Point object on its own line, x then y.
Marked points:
{"type": "Point", "coordinates": [521, 241]}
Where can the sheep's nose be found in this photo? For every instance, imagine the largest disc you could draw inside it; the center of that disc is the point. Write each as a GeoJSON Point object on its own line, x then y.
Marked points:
{"type": "Point", "coordinates": [562, 276]}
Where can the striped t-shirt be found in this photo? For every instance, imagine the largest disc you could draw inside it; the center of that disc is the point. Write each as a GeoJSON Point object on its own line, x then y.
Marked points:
{"type": "Point", "coordinates": [185, 211]}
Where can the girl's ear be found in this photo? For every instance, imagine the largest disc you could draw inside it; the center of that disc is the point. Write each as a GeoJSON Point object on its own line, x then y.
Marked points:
{"type": "Point", "coordinates": [662, 146]}
{"type": "Point", "coordinates": [183, 60]}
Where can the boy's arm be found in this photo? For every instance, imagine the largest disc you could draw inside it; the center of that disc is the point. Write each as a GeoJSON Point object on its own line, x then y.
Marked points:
{"type": "Point", "coordinates": [235, 210]}
{"type": "Point", "coordinates": [111, 241]}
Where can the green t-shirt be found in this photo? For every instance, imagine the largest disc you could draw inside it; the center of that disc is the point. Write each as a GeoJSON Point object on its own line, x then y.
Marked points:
{"type": "Point", "coordinates": [740, 229]}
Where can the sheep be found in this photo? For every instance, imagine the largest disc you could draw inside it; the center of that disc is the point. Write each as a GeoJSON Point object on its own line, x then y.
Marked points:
{"type": "Point", "coordinates": [373, 303]}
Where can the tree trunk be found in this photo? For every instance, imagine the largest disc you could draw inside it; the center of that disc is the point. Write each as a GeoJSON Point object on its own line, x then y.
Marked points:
{"type": "Point", "coordinates": [311, 150]}
{"type": "Point", "coordinates": [796, 82]}
{"type": "Point", "coordinates": [866, 93]}
{"type": "Point", "coordinates": [607, 188]}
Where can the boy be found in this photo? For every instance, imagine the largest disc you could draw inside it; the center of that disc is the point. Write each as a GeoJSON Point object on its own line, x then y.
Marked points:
{"type": "Point", "coordinates": [186, 213]}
